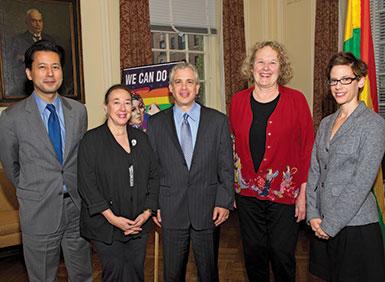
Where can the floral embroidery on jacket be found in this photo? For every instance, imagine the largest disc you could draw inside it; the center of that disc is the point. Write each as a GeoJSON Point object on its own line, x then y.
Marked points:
{"type": "Point", "coordinates": [262, 184]}
{"type": "Point", "coordinates": [287, 184]}
{"type": "Point", "coordinates": [239, 183]}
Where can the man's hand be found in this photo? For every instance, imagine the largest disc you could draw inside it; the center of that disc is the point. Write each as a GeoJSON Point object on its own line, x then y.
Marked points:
{"type": "Point", "coordinates": [220, 215]}
{"type": "Point", "coordinates": [157, 219]}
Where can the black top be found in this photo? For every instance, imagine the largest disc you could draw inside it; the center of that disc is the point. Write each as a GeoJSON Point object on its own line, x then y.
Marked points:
{"type": "Point", "coordinates": [104, 181]}
{"type": "Point", "coordinates": [261, 114]}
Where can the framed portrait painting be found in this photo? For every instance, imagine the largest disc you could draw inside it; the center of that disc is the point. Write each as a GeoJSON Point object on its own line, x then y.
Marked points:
{"type": "Point", "coordinates": [24, 22]}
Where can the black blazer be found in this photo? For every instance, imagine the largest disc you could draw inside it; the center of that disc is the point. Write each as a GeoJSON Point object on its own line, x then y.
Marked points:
{"type": "Point", "coordinates": [188, 197]}
{"type": "Point", "coordinates": [104, 181]}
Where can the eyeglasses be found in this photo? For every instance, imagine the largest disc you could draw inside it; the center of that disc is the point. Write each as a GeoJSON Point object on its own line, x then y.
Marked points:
{"type": "Point", "coordinates": [343, 81]}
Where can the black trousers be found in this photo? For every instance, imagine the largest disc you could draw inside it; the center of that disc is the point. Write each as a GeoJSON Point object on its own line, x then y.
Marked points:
{"type": "Point", "coordinates": [356, 254]}
{"type": "Point", "coordinates": [123, 261]}
{"type": "Point", "coordinates": [318, 257]}
{"type": "Point", "coordinates": [269, 234]}
{"type": "Point", "coordinates": [176, 246]}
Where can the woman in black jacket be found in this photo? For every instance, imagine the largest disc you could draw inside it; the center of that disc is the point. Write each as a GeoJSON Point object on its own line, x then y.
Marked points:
{"type": "Point", "coordinates": [118, 182]}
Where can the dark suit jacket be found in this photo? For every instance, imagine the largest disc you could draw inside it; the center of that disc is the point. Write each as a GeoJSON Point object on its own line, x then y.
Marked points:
{"type": "Point", "coordinates": [30, 162]}
{"type": "Point", "coordinates": [104, 182]}
{"type": "Point", "coordinates": [188, 197]}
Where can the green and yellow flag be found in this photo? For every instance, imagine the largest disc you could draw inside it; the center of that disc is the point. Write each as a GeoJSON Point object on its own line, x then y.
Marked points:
{"type": "Point", "coordinates": [358, 40]}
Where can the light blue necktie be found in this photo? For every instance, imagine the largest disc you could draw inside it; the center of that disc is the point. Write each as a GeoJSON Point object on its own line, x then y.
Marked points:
{"type": "Point", "coordinates": [186, 140]}
{"type": "Point", "coordinates": [54, 132]}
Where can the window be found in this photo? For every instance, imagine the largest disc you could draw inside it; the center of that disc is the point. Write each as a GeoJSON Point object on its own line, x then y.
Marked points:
{"type": "Point", "coordinates": [378, 32]}
{"type": "Point", "coordinates": [187, 30]}
{"type": "Point", "coordinates": [170, 47]}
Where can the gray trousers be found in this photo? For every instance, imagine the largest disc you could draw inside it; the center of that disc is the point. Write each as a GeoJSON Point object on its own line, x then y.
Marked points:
{"type": "Point", "coordinates": [42, 252]}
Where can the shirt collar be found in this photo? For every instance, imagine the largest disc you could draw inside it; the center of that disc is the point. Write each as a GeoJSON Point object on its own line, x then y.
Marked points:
{"type": "Point", "coordinates": [41, 104]}
{"type": "Point", "coordinates": [193, 112]}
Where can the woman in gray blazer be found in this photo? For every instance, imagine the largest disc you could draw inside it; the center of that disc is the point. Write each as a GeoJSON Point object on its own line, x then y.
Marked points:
{"type": "Point", "coordinates": [341, 207]}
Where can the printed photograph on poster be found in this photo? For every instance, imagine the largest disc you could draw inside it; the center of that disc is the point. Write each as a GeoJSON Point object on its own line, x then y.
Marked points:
{"type": "Point", "coordinates": [151, 94]}
{"type": "Point", "coordinates": [24, 22]}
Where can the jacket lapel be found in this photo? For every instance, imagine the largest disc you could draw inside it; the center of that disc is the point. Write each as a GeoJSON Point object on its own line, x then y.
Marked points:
{"type": "Point", "coordinates": [202, 131]}
{"type": "Point", "coordinates": [170, 127]}
{"type": "Point", "coordinates": [347, 125]}
{"type": "Point", "coordinates": [38, 126]}
{"type": "Point", "coordinates": [69, 129]}
{"type": "Point", "coordinates": [329, 127]}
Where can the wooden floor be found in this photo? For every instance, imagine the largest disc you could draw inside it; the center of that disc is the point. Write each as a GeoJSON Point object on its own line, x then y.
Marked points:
{"type": "Point", "coordinates": [230, 259]}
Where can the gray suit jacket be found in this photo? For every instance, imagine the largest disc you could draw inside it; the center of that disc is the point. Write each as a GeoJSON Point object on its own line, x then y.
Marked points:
{"type": "Point", "coordinates": [188, 197]}
{"type": "Point", "coordinates": [344, 169]}
{"type": "Point", "coordinates": [30, 162]}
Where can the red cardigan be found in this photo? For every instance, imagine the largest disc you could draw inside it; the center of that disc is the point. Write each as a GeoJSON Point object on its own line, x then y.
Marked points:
{"type": "Point", "coordinates": [289, 141]}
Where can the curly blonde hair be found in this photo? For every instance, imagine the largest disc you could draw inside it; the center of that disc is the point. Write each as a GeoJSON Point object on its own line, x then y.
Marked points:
{"type": "Point", "coordinates": [285, 69]}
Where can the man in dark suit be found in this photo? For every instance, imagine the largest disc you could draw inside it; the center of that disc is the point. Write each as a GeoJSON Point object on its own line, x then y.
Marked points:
{"type": "Point", "coordinates": [39, 139]}
{"type": "Point", "coordinates": [193, 147]}
{"type": "Point", "coordinates": [14, 66]}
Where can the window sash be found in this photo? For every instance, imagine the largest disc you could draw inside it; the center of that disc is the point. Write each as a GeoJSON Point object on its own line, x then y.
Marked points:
{"type": "Point", "coordinates": [197, 16]}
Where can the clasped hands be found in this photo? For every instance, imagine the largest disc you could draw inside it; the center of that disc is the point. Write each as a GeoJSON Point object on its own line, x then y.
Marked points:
{"type": "Point", "coordinates": [315, 226]}
{"type": "Point", "coordinates": [128, 226]}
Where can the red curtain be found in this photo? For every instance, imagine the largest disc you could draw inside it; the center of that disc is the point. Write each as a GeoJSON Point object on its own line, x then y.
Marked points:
{"type": "Point", "coordinates": [234, 50]}
{"type": "Point", "coordinates": [326, 44]}
{"type": "Point", "coordinates": [135, 33]}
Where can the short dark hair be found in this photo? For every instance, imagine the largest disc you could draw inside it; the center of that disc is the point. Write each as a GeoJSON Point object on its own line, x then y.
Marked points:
{"type": "Point", "coordinates": [115, 87]}
{"type": "Point", "coordinates": [359, 67]}
{"type": "Point", "coordinates": [43, 45]}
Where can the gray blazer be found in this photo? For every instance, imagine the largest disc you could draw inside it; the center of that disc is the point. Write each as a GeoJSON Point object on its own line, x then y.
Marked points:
{"type": "Point", "coordinates": [30, 162]}
{"type": "Point", "coordinates": [188, 197]}
{"type": "Point", "coordinates": [343, 171]}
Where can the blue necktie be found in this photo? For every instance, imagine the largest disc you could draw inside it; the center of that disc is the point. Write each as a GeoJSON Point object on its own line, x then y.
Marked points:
{"type": "Point", "coordinates": [186, 140]}
{"type": "Point", "coordinates": [54, 132]}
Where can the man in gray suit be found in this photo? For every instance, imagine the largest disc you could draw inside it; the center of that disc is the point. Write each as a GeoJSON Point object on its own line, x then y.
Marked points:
{"type": "Point", "coordinates": [193, 147]}
{"type": "Point", "coordinates": [39, 139]}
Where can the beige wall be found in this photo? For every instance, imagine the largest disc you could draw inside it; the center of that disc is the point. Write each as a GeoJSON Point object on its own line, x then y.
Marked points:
{"type": "Point", "coordinates": [101, 56]}
{"type": "Point", "coordinates": [292, 23]}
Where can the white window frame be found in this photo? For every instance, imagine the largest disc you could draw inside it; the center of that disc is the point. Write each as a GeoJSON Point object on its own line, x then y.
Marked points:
{"type": "Point", "coordinates": [186, 51]}
{"type": "Point", "coordinates": [213, 67]}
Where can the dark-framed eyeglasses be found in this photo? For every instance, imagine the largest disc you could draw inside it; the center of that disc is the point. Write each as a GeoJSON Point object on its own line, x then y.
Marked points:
{"type": "Point", "coordinates": [343, 81]}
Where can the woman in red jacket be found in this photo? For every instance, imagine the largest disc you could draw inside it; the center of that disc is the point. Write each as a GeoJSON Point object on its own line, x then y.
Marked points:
{"type": "Point", "coordinates": [273, 133]}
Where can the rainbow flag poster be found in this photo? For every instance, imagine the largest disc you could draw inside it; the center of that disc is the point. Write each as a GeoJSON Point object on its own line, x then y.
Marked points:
{"type": "Point", "coordinates": [150, 83]}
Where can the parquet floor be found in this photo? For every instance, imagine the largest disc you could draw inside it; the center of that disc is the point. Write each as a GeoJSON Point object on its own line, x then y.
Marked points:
{"type": "Point", "coordinates": [230, 259]}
